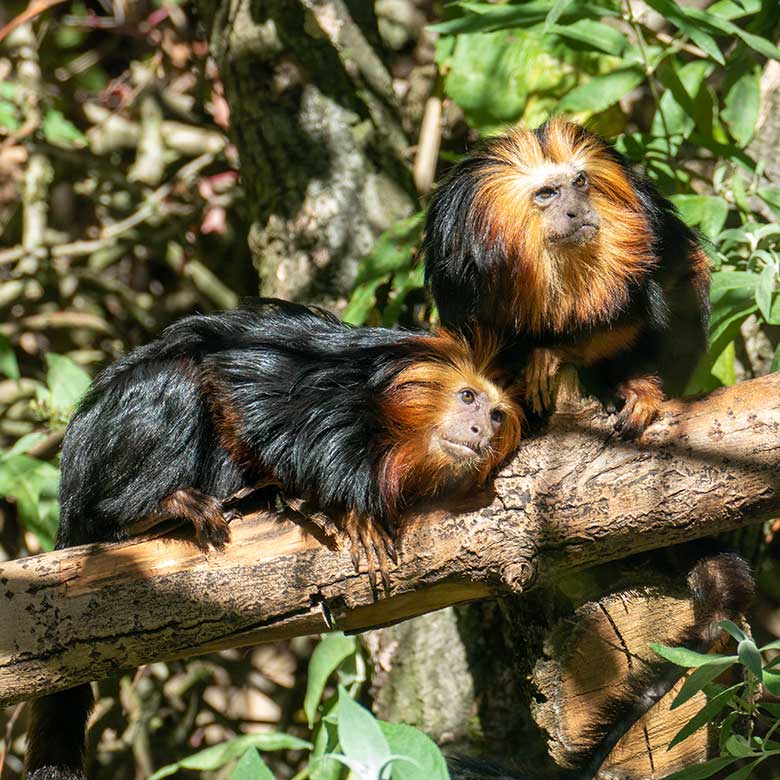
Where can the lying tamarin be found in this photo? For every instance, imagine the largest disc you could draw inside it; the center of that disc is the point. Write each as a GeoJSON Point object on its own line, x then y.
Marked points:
{"type": "Point", "coordinates": [552, 238]}
{"type": "Point", "coordinates": [358, 422]}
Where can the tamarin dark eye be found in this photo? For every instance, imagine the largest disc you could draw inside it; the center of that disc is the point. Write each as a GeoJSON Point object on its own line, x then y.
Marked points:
{"type": "Point", "coordinates": [545, 195]}
{"type": "Point", "coordinates": [467, 396]}
{"type": "Point", "coordinates": [497, 416]}
{"type": "Point", "coordinates": [581, 181]}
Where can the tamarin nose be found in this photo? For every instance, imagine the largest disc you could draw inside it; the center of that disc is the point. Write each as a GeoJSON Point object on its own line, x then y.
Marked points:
{"type": "Point", "coordinates": [571, 214]}
{"type": "Point", "coordinates": [476, 429]}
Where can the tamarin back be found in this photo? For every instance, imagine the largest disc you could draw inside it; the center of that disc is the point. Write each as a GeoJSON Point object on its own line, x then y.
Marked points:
{"type": "Point", "coordinates": [358, 422]}
{"type": "Point", "coordinates": [283, 392]}
{"type": "Point", "coordinates": [552, 238]}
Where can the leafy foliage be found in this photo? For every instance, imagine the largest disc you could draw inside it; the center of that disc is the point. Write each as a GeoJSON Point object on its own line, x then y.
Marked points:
{"type": "Point", "coordinates": [746, 723]}
{"type": "Point", "coordinates": [345, 737]}
{"type": "Point", "coordinates": [598, 62]}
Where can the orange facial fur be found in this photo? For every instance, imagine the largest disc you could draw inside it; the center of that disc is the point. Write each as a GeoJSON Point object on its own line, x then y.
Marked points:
{"type": "Point", "coordinates": [417, 402]}
{"type": "Point", "coordinates": [559, 287]}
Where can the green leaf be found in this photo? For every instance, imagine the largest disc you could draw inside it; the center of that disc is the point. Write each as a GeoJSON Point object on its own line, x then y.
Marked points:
{"type": "Point", "coordinates": [489, 75]}
{"type": "Point", "coordinates": [709, 212]}
{"type": "Point", "coordinates": [217, 756]}
{"type": "Point", "coordinates": [329, 653]}
{"type": "Point", "coordinates": [33, 485]}
{"type": "Point", "coordinates": [427, 761]}
{"type": "Point", "coordinates": [770, 196]}
{"type": "Point", "coordinates": [683, 104]}
{"type": "Point", "coordinates": [742, 104]}
{"type": "Point", "coordinates": [705, 715]}
{"type": "Point", "coordinates": [404, 282]}
{"type": "Point", "coordinates": [554, 14]}
{"type": "Point", "coordinates": [740, 194]}
{"type": "Point", "coordinates": [696, 32]}
{"type": "Point", "coordinates": [776, 360]}
{"type": "Point", "coordinates": [392, 250]}
{"type": "Point", "coordinates": [746, 771]}
{"type": "Point", "coordinates": [720, 25]}
{"type": "Point", "coordinates": [8, 363]}
{"type": "Point", "coordinates": [764, 290]}
{"type": "Point", "coordinates": [723, 281]}
{"type": "Point", "coordinates": [771, 681]}
{"type": "Point", "coordinates": [360, 737]}
{"type": "Point", "coordinates": [486, 17]}
{"type": "Point", "coordinates": [724, 367]}
{"type": "Point", "coordinates": [67, 382]}
{"type": "Point", "coordinates": [697, 679]}
{"type": "Point", "coordinates": [61, 131]}
{"type": "Point", "coordinates": [361, 302]}
{"type": "Point", "coordinates": [326, 740]}
{"type": "Point", "coordinates": [681, 656]}
{"type": "Point", "coordinates": [251, 767]}
{"type": "Point", "coordinates": [749, 657]}
{"type": "Point", "coordinates": [9, 116]}
{"type": "Point", "coordinates": [593, 35]}
{"type": "Point", "coordinates": [24, 444]}
{"type": "Point", "coordinates": [702, 771]}
{"type": "Point", "coordinates": [601, 92]}
{"type": "Point", "coordinates": [732, 629]}
{"type": "Point", "coordinates": [738, 746]}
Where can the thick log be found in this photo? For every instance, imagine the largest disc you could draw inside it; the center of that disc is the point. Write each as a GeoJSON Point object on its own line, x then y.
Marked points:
{"type": "Point", "coordinates": [574, 496]}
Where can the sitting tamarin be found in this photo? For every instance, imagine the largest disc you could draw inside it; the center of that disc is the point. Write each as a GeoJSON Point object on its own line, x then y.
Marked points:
{"type": "Point", "coordinates": [552, 238]}
{"type": "Point", "coordinates": [358, 422]}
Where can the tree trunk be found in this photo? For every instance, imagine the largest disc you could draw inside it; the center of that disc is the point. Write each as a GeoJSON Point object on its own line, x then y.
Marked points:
{"type": "Point", "coordinates": [318, 133]}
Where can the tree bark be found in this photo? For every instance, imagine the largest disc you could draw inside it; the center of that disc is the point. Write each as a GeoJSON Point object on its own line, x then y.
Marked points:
{"type": "Point", "coordinates": [319, 136]}
{"type": "Point", "coordinates": [570, 498]}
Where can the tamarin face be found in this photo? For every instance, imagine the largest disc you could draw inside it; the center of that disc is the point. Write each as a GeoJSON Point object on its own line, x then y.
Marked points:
{"type": "Point", "coordinates": [561, 219]}
{"type": "Point", "coordinates": [563, 200]}
{"type": "Point", "coordinates": [467, 429]}
{"type": "Point", "coordinates": [450, 419]}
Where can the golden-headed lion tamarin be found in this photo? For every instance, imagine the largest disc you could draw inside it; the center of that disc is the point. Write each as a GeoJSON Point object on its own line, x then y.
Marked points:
{"type": "Point", "coordinates": [358, 422]}
{"type": "Point", "coordinates": [552, 238]}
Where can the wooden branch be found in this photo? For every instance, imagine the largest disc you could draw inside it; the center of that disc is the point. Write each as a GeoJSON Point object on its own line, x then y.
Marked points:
{"type": "Point", "coordinates": [572, 497]}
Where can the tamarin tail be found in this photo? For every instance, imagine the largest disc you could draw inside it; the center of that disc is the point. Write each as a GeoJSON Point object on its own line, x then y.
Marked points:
{"type": "Point", "coordinates": [56, 737]}
{"type": "Point", "coordinates": [722, 588]}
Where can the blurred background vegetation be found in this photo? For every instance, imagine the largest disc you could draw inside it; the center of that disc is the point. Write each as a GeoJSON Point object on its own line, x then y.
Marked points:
{"type": "Point", "coordinates": [161, 157]}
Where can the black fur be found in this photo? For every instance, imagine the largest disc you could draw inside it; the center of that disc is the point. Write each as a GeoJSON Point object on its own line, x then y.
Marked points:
{"type": "Point", "coordinates": [56, 737]}
{"type": "Point", "coordinates": [304, 385]}
{"type": "Point", "coordinates": [468, 278]}
{"type": "Point", "coordinates": [305, 388]}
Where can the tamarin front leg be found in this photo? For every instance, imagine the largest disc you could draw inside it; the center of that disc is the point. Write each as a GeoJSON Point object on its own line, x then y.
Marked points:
{"type": "Point", "coordinates": [642, 396]}
{"type": "Point", "coordinates": [541, 378]}
{"type": "Point", "coordinates": [377, 544]}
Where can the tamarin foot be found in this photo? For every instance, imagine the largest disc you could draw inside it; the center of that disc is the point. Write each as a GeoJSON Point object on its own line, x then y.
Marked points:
{"type": "Point", "coordinates": [643, 397]}
{"type": "Point", "coordinates": [204, 512]}
{"type": "Point", "coordinates": [377, 545]}
{"type": "Point", "coordinates": [541, 379]}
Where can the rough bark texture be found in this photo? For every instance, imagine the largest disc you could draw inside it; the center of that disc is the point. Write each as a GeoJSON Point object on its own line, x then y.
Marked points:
{"type": "Point", "coordinates": [589, 655]}
{"type": "Point", "coordinates": [320, 141]}
{"type": "Point", "coordinates": [570, 498]}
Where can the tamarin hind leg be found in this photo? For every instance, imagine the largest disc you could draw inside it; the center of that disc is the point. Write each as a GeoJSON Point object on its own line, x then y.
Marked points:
{"type": "Point", "coordinates": [642, 396]}
{"type": "Point", "coordinates": [376, 543]}
{"type": "Point", "coordinates": [541, 378]}
{"type": "Point", "coordinates": [206, 513]}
